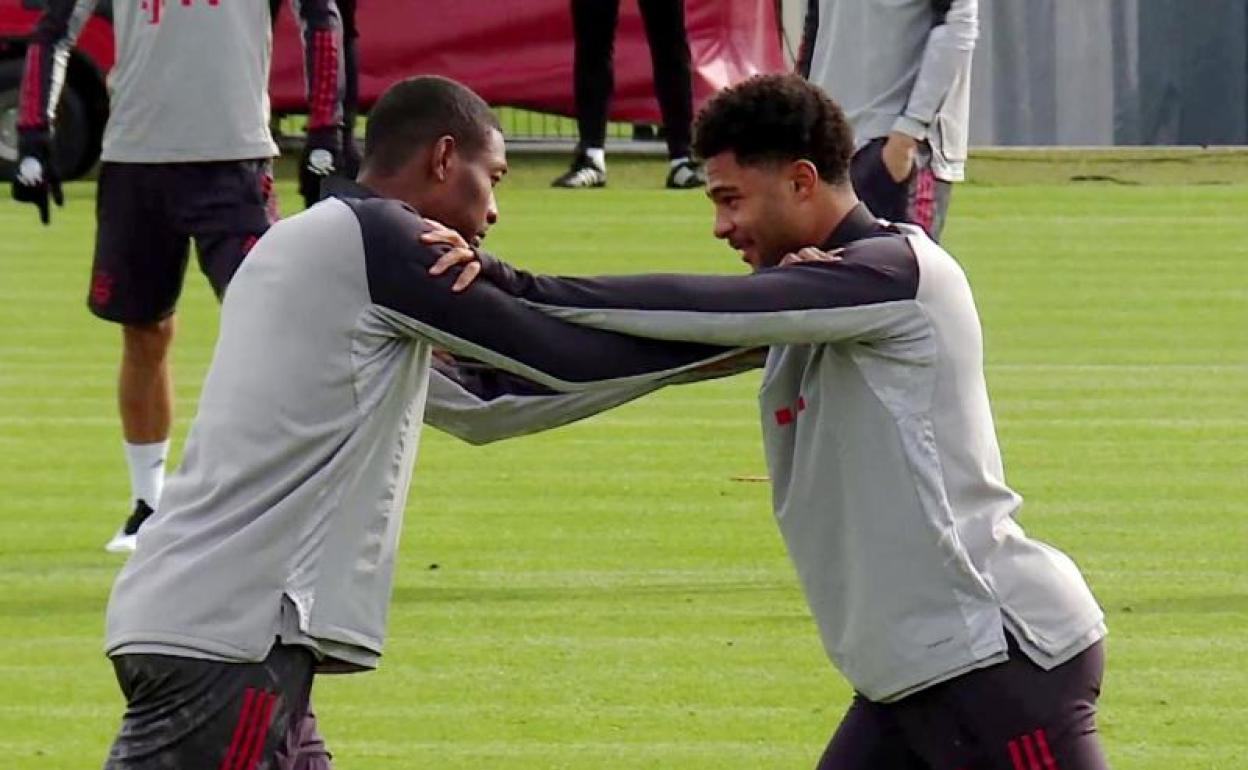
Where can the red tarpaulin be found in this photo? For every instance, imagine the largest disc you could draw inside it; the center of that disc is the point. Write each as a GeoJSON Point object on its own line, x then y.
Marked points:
{"type": "Point", "coordinates": [520, 53]}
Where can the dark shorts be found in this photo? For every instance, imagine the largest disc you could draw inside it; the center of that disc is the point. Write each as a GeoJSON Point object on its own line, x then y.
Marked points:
{"type": "Point", "coordinates": [146, 216]}
{"type": "Point", "coordinates": [922, 199]}
{"type": "Point", "coordinates": [1011, 716]}
{"type": "Point", "coordinates": [188, 713]}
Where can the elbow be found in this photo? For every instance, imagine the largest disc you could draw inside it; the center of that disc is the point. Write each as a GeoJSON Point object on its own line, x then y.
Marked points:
{"type": "Point", "coordinates": [476, 435]}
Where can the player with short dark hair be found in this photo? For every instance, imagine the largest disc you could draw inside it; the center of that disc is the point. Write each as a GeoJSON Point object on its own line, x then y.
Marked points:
{"type": "Point", "coordinates": [776, 124]}
{"type": "Point", "coordinates": [968, 643]}
{"type": "Point", "coordinates": [186, 156]}
{"type": "Point", "coordinates": [272, 558]}
{"type": "Point", "coordinates": [416, 112]}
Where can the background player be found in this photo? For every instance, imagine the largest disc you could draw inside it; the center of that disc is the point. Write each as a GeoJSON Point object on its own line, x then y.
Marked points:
{"type": "Point", "coordinates": [902, 72]}
{"type": "Point", "coordinates": [186, 156]}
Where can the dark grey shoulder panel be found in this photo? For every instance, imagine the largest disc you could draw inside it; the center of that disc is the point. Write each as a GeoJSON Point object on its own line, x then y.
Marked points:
{"type": "Point", "coordinates": [397, 265]}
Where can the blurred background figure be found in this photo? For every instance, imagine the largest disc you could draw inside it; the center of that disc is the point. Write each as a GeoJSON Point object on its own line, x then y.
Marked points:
{"type": "Point", "coordinates": [594, 23]}
{"type": "Point", "coordinates": [312, 169]}
{"type": "Point", "coordinates": [902, 72]}
{"type": "Point", "coordinates": [186, 156]}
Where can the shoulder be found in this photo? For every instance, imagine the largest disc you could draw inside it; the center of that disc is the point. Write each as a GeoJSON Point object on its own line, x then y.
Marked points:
{"type": "Point", "coordinates": [889, 254]}
{"type": "Point", "coordinates": [390, 229]}
{"type": "Point", "coordinates": [382, 214]}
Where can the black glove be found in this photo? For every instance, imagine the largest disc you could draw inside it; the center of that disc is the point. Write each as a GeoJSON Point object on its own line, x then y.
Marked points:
{"type": "Point", "coordinates": [36, 177]}
{"type": "Point", "coordinates": [322, 156]}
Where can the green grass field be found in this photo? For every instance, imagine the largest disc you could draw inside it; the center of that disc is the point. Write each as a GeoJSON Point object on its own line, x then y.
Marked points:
{"type": "Point", "coordinates": [606, 595]}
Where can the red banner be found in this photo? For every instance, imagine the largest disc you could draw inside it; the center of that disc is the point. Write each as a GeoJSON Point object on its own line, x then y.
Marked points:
{"type": "Point", "coordinates": [520, 53]}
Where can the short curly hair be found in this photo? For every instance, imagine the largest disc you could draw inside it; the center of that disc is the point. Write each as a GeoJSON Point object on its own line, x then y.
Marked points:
{"type": "Point", "coordinates": [770, 118]}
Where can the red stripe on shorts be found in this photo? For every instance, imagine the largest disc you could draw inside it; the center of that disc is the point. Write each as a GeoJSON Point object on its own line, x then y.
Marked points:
{"type": "Point", "coordinates": [1030, 751]}
{"type": "Point", "coordinates": [1016, 756]}
{"type": "Point", "coordinates": [924, 199]}
{"type": "Point", "coordinates": [243, 720]}
{"type": "Point", "coordinates": [1046, 756]}
{"type": "Point", "coordinates": [263, 722]}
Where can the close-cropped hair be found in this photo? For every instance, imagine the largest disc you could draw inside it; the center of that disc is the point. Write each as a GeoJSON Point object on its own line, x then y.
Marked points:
{"type": "Point", "coordinates": [776, 118]}
{"type": "Point", "coordinates": [418, 111]}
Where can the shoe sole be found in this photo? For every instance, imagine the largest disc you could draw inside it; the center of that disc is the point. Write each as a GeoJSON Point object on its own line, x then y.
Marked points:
{"type": "Point", "coordinates": [122, 544]}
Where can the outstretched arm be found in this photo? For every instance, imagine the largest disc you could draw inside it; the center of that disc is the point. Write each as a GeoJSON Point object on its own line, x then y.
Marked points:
{"type": "Point", "coordinates": [480, 404]}
{"type": "Point", "coordinates": [868, 294]}
{"type": "Point", "coordinates": [494, 327]}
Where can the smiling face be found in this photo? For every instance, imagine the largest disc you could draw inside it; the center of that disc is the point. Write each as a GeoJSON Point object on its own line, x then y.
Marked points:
{"type": "Point", "coordinates": [756, 207]}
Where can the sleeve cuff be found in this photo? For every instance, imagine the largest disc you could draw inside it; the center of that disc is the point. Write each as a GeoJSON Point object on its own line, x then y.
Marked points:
{"type": "Point", "coordinates": [911, 127]}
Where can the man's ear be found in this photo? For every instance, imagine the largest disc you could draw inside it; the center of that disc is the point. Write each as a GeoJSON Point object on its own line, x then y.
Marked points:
{"type": "Point", "coordinates": [442, 158]}
{"type": "Point", "coordinates": [804, 177]}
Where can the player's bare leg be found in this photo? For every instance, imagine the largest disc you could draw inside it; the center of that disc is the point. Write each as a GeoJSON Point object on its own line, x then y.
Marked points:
{"type": "Point", "coordinates": [145, 400]}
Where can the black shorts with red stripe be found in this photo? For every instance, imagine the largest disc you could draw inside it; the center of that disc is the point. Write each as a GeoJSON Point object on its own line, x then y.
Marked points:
{"type": "Point", "coordinates": [921, 199]}
{"type": "Point", "coordinates": [1011, 716]}
{"type": "Point", "coordinates": [148, 213]}
{"type": "Point", "coordinates": [192, 713]}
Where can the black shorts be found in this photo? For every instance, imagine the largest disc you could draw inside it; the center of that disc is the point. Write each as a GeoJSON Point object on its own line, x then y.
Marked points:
{"type": "Point", "coordinates": [189, 713]}
{"type": "Point", "coordinates": [146, 216]}
{"type": "Point", "coordinates": [921, 200]}
{"type": "Point", "coordinates": [1011, 716]}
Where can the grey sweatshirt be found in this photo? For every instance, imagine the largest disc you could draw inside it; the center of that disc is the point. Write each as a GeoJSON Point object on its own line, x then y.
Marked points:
{"type": "Point", "coordinates": [191, 80]}
{"type": "Point", "coordinates": [899, 65]}
{"type": "Point", "coordinates": [887, 480]}
{"type": "Point", "coordinates": [284, 516]}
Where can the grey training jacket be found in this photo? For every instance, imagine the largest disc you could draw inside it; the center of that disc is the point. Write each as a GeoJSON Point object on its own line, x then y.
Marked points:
{"type": "Point", "coordinates": [290, 496]}
{"type": "Point", "coordinates": [900, 65]}
{"type": "Point", "coordinates": [887, 480]}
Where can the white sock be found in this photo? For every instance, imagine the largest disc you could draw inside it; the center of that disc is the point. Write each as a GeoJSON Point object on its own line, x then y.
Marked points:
{"type": "Point", "coordinates": [147, 470]}
{"type": "Point", "coordinates": [674, 162]}
{"type": "Point", "coordinates": [597, 156]}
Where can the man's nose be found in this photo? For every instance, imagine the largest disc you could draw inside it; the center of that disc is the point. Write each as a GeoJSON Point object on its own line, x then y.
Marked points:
{"type": "Point", "coordinates": [491, 213]}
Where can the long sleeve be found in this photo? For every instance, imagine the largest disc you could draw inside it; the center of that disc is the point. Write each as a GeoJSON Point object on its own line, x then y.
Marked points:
{"type": "Point", "coordinates": [490, 325]}
{"type": "Point", "coordinates": [485, 406]}
{"type": "Point", "coordinates": [480, 404]}
{"type": "Point", "coordinates": [866, 297]}
{"type": "Point", "coordinates": [950, 45]}
{"type": "Point", "coordinates": [47, 57]}
{"type": "Point", "coordinates": [321, 27]}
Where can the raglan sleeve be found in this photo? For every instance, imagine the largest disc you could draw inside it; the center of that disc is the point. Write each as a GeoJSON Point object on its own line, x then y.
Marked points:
{"type": "Point", "coordinates": [950, 45]}
{"type": "Point", "coordinates": [47, 57]}
{"type": "Point", "coordinates": [496, 328]}
{"type": "Point", "coordinates": [481, 404]}
{"type": "Point", "coordinates": [320, 27]}
{"type": "Point", "coordinates": [867, 296]}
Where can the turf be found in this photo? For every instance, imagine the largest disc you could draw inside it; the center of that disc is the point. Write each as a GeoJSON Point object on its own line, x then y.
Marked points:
{"type": "Point", "coordinates": [606, 594]}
